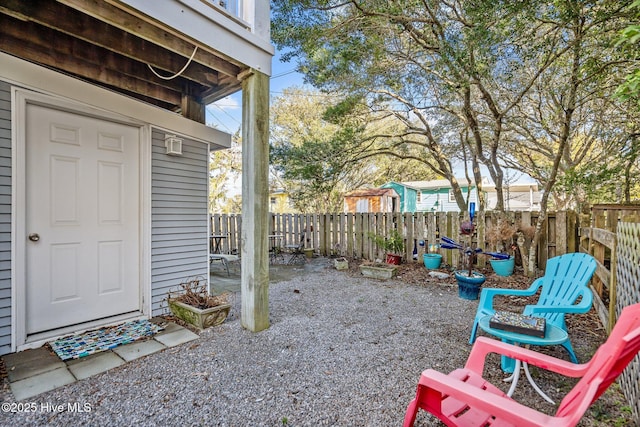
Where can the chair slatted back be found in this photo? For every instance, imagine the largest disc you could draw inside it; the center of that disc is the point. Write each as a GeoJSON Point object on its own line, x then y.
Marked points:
{"type": "Point", "coordinates": [606, 364]}
{"type": "Point", "coordinates": [578, 265]}
{"type": "Point", "coordinates": [566, 279]}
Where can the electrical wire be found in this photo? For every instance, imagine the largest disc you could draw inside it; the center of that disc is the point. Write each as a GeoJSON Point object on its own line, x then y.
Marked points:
{"type": "Point", "coordinates": [179, 72]}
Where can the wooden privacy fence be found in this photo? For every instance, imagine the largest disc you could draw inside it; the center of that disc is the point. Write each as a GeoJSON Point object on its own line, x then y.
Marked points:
{"type": "Point", "coordinates": [600, 240]}
{"type": "Point", "coordinates": [350, 235]}
{"type": "Point", "coordinates": [601, 244]}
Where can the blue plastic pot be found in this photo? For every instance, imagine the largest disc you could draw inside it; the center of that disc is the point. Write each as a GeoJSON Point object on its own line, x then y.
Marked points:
{"type": "Point", "coordinates": [432, 261]}
{"type": "Point", "coordinates": [469, 287]}
{"type": "Point", "coordinates": [503, 267]}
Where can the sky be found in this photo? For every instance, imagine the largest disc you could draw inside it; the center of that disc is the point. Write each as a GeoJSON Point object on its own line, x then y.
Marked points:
{"type": "Point", "coordinates": [226, 114]}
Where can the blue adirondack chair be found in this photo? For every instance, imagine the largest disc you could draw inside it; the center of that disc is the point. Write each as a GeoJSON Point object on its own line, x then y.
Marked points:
{"type": "Point", "coordinates": [566, 279]}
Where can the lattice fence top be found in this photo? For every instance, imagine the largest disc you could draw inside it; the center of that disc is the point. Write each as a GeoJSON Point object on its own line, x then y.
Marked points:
{"type": "Point", "coordinates": [628, 292]}
{"type": "Point", "coordinates": [628, 268]}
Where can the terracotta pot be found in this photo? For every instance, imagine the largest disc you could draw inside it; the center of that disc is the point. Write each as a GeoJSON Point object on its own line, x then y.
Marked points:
{"type": "Point", "coordinates": [394, 259]}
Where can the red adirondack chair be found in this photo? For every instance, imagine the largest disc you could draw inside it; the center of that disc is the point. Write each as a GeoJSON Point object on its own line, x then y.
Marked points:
{"type": "Point", "coordinates": [464, 398]}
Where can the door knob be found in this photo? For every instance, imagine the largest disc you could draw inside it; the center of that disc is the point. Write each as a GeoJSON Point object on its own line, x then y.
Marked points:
{"type": "Point", "coordinates": [34, 237]}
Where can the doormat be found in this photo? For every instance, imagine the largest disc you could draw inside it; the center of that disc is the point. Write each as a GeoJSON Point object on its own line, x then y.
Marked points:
{"type": "Point", "coordinates": [77, 346]}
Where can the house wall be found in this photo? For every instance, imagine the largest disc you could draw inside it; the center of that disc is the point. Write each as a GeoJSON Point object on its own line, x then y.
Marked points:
{"type": "Point", "coordinates": [5, 218]}
{"type": "Point", "coordinates": [179, 225]}
{"type": "Point", "coordinates": [279, 203]}
{"type": "Point", "coordinates": [410, 200]}
{"type": "Point", "coordinates": [352, 202]}
{"type": "Point", "coordinates": [516, 200]}
{"type": "Point", "coordinates": [179, 217]}
{"type": "Point", "coordinates": [428, 199]}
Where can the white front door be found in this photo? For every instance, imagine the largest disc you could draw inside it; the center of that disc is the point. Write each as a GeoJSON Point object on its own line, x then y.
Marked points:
{"type": "Point", "coordinates": [82, 219]}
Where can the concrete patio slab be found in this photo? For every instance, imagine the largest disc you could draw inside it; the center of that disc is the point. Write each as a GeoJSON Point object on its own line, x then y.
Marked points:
{"type": "Point", "coordinates": [40, 383]}
{"type": "Point", "coordinates": [169, 328]}
{"type": "Point", "coordinates": [136, 350]}
{"type": "Point", "coordinates": [94, 364]}
{"type": "Point", "coordinates": [28, 363]}
{"type": "Point", "coordinates": [172, 339]}
{"type": "Point", "coordinates": [35, 371]}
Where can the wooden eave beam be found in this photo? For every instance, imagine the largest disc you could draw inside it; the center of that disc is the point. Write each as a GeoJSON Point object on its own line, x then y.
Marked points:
{"type": "Point", "coordinates": [227, 86]}
{"type": "Point", "coordinates": [76, 24]}
{"type": "Point", "coordinates": [155, 32]}
{"type": "Point", "coordinates": [35, 53]}
{"type": "Point", "coordinates": [67, 47]}
{"type": "Point", "coordinates": [214, 94]}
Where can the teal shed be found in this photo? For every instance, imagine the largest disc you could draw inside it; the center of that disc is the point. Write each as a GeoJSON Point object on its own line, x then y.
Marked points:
{"type": "Point", "coordinates": [408, 195]}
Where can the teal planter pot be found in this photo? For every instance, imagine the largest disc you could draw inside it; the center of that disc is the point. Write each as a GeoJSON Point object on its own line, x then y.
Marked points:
{"type": "Point", "coordinates": [469, 287]}
{"type": "Point", "coordinates": [503, 267]}
{"type": "Point", "coordinates": [432, 261]}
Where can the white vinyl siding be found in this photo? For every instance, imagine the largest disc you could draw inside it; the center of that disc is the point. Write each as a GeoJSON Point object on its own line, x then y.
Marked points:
{"type": "Point", "coordinates": [5, 218]}
{"type": "Point", "coordinates": [179, 218]}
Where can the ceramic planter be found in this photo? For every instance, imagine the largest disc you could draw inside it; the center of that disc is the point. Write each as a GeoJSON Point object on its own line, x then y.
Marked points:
{"type": "Point", "coordinates": [432, 261]}
{"type": "Point", "coordinates": [503, 267]}
{"type": "Point", "coordinates": [200, 318]}
{"type": "Point", "coordinates": [469, 286]}
{"type": "Point", "coordinates": [378, 272]}
{"type": "Point", "coordinates": [341, 263]}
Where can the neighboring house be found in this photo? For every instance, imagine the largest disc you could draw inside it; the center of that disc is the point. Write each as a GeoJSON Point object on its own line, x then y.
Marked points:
{"type": "Point", "coordinates": [279, 202]}
{"type": "Point", "coordinates": [104, 165]}
{"type": "Point", "coordinates": [518, 196]}
{"type": "Point", "coordinates": [437, 195]}
{"type": "Point", "coordinates": [372, 200]}
{"type": "Point", "coordinates": [408, 195]}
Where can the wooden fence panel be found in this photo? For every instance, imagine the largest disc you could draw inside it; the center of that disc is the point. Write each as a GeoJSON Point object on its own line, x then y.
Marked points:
{"type": "Point", "coordinates": [350, 234]}
{"type": "Point", "coordinates": [420, 236]}
{"type": "Point", "coordinates": [596, 243]}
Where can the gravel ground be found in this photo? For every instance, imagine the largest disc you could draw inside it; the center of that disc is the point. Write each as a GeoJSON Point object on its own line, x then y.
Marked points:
{"type": "Point", "coordinates": [341, 350]}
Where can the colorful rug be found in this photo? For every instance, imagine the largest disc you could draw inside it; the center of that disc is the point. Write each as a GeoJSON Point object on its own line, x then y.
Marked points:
{"type": "Point", "coordinates": [77, 346]}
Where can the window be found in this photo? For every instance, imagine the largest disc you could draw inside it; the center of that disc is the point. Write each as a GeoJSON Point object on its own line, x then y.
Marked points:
{"type": "Point", "coordinates": [452, 197]}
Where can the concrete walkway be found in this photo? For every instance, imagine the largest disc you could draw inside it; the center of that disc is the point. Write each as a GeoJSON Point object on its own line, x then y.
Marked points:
{"type": "Point", "coordinates": [35, 371]}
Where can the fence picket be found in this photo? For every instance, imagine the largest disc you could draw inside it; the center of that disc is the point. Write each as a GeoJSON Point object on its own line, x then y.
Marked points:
{"type": "Point", "coordinates": [350, 234]}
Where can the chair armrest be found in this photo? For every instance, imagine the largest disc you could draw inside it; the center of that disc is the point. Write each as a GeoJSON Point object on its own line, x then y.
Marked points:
{"type": "Point", "coordinates": [487, 294]}
{"type": "Point", "coordinates": [484, 346]}
{"type": "Point", "coordinates": [504, 408]}
{"type": "Point", "coordinates": [582, 307]}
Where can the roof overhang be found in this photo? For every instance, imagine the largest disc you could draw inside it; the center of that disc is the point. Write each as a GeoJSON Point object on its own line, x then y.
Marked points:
{"type": "Point", "coordinates": [119, 44]}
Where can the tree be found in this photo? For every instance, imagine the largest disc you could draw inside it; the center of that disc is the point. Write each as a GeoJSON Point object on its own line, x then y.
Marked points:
{"type": "Point", "coordinates": [308, 155]}
{"type": "Point", "coordinates": [573, 100]}
{"type": "Point", "coordinates": [630, 89]}
{"type": "Point", "coordinates": [318, 151]}
{"type": "Point", "coordinates": [491, 82]}
{"type": "Point", "coordinates": [447, 72]}
{"type": "Point", "coordinates": [225, 167]}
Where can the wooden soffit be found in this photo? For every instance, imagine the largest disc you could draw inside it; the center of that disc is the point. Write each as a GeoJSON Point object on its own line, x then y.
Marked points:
{"type": "Point", "coordinates": [99, 42]}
